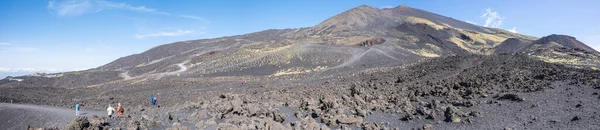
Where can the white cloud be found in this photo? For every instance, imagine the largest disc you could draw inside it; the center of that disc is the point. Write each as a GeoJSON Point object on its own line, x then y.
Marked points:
{"type": "Point", "coordinates": [513, 30]}
{"type": "Point", "coordinates": [195, 18]}
{"type": "Point", "coordinates": [125, 6]}
{"type": "Point", "coordinates": [79, 7]}
{"type": "Point", "coordinates": [8, 46]}
{"type": "Point", "coordinates": [5, 43]}
{"type": "Point", "coordinates": [159, 34]}
{"type": "Point", "coordinates": [471, 22]}
{"type": "Point", "coordinates": [492, 19]}
{"type": "Point", "coordinates": [23, 49]}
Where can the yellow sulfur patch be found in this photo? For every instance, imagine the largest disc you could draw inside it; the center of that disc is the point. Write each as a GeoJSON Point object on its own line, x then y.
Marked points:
{"type": "Point", "coordinates": [428, 51]}
{"type": "Point", "coordinates": [425, 21]}
{"type": "Point", "coordinates": [293, 71]}
{"type": "Point", "coordinates": [411, 38]}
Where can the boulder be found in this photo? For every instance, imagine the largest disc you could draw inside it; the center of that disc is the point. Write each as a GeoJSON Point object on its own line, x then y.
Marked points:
{"type": "Point", "coordinates": [350, 120]}
{"type": "Point", "coordinates": [133, 125]}
{"type": "Point", "coordinates": [370, 126]}
{"type": "Point", "coordinates": [576, 118]}
{"type": "Point", "coordinates": [511, 97]}
{"type": "Point", "coordinates": [80, 123]}
{"type": "Point", "coordinates": [99, 123]}
{"type": "Point", "coordinates": [278, 116]}
{"type": "Point", "coordinates": [309, 123]}
{"type": "Point", "coordinates": [361, 112]}
{"type": "Point", "coordinates": [427, 127]}
{"type": "Point", "coordinates": [452, 114]}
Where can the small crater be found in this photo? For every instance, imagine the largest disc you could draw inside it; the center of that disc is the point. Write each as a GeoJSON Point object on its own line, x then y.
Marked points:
{"type": "Point", "coordinates": [372, 42]}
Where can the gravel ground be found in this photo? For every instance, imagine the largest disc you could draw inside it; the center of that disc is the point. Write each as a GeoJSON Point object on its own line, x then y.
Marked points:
{"type": "Point", "coordinates": [461, 92]}
{"type": "Point", "coordinates": [19, 116]}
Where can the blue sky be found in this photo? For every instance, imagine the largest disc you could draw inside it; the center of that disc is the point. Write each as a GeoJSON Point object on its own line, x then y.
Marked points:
{"type": "Point", "coordinates": [47, 36]}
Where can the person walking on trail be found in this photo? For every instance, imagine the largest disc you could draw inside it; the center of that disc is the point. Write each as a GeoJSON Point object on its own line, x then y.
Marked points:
{"type": "Point", "coordinates": [120, 109]}
{"type": "Point", "coordinates": [110, 111]}
{"type": "Point", "coordinates": [77, 107]}
{"type": "Point", "coordinates": [153, 101]}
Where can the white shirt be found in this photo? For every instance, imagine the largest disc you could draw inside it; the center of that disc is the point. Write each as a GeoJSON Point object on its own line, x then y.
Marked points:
{"type": "Point", "coordinates": [110, 110]}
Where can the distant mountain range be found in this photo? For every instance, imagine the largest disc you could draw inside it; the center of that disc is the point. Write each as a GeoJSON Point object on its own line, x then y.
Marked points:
{"type": "Point", "coordinates": [359, 39]}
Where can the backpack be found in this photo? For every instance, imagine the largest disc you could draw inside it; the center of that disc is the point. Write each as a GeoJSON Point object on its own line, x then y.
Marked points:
{"type": "Point", "coordinates": [121, 109]}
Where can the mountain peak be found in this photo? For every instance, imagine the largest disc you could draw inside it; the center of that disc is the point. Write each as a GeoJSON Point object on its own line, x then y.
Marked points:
{"type": "Point", "coordinates": [356, 18]}
{"type": "Point", "coordinates": [364, 7]}
{"type": "Point", "coordinates": [564, 40]}
{"type": "Point", "coordinates": [559, 36]}
{"type": "Point", "coordinates": [361, 9]}
{"type": "Point", "coordinates": [403, 6]}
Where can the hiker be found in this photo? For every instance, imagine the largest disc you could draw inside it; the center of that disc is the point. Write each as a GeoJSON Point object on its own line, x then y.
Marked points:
{"type": "Point", "coordinates": [120, 109]}
{"type": "Point", "coordinates": [153, 101]}
{"type": "Point", "coordinates": [110, 111]}
{"type": "Point", "coordinates": [243, 81]}
{"type": "Point", "coordinates": [77, 107]}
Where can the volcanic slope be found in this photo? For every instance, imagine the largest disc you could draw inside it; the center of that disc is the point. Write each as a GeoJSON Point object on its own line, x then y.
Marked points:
{"type": "Point", "coordinates": [360, 38]}
{"type": "Point", "coordinates": [566, 50]}
{"type": "Point", "coordinates": [560, 49]}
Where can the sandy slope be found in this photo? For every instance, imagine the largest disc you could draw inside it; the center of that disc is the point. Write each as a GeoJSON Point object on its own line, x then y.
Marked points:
{"type": "Point", "coordinates": [18, 116]}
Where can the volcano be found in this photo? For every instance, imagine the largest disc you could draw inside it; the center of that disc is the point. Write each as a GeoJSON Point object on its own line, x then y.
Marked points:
{"type": "Point", "coordinates": [364, 68]}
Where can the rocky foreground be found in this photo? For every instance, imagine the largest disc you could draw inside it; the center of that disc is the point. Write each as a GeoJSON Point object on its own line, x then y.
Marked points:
{"type": "Point", "coordinates": [460, 92]}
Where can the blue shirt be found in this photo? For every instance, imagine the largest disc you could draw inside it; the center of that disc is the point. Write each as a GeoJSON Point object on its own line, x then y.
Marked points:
{"type": "Point", "coordinates": [77, 107]}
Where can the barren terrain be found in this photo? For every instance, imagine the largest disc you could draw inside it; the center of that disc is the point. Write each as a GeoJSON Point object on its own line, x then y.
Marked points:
{"type": "Point", "coordinates": [365, 68]}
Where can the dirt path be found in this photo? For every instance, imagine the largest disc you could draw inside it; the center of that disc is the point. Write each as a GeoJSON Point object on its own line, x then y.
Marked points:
{"type": "Point", "coordinates": [125, 75]}
{"type": "Point", "coordinates": [182, 67]}
{"type": "Point", "coordinates": [18, 116]}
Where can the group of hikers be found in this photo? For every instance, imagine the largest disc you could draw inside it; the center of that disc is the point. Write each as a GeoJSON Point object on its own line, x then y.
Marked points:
{"type": "Point", "coordinates": [120, 110]}
{"type": "Point", "coordinates": [111, 110]}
